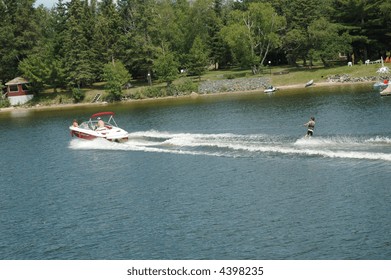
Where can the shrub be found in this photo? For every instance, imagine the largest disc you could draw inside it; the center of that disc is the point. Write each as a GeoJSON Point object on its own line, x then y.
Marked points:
{"type": "Point", "coordinates": [231, 76]}
{"type": "Point", "coordinates": [78, 95]}
{"type": "Point", "coordinates": [115, 75]}
{"type": "Point", "coordinates": [4, 102]}
{"type": "Point", "coordinates": [172, 90]}
{"type": "Point", "coordinates": [186, 87]}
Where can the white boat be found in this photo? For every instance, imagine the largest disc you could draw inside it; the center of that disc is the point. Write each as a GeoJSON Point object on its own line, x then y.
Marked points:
{"type": "Point", "coordinates": [270, 89]}
{"type": "Point", "coordinates": [386, 91]}
{"type": "Point", "coordinates": [310, 83]}
{"type": "Point", "coordinates": [100, 125]}
{"type": "Point", "coordinates": [380, 85]}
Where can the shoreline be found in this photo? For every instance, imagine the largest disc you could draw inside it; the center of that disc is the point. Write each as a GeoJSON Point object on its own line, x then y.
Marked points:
{"type": "Point", "coordinates": [192, 95]}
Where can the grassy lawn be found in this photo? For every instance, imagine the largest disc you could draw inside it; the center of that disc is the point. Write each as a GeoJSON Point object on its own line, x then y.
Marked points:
{"type": "Point", "coordinates": [286, 75]}
{"type": "Point", "coordinates": [320, 74]}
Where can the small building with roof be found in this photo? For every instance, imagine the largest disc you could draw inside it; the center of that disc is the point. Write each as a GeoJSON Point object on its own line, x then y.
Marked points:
{"type": "Point", "coordinates": [17, 91]}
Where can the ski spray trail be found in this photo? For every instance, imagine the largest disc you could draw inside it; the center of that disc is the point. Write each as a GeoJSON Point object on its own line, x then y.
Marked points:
{"type": "Point", "coordinates": [246, 145]}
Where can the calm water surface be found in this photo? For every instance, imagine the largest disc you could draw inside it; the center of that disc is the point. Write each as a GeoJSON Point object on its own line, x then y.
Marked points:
{"type": "Point", "coordinates": [227, 177]}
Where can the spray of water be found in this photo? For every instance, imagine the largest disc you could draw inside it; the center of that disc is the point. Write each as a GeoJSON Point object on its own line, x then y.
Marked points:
{"type": "Point", "coordinates": [251, 145]}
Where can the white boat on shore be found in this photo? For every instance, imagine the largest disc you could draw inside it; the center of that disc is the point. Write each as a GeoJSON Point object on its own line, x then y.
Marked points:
{"type": "Point", "coordinates": [309, 83]}
{"type": "Point", "coordinates": [380, 86]}
{"type": "Point", "coordinates": [270, 89]}
{"type": "Point", "coordinates": [386, 91]}
{"type": "Point", "coordinates": [100, 125]}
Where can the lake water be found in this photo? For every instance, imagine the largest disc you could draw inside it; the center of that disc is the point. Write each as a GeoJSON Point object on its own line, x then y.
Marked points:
{"type": "Point", "coordinates": [217, 177]}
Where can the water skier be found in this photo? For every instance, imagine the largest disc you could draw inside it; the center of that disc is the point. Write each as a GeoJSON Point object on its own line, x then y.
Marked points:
{"type": "Point", "coordinates": [310, 127]}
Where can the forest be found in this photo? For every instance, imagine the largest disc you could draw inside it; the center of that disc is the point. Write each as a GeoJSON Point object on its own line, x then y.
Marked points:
{"type": "Point", "coordinates": [80, 42]}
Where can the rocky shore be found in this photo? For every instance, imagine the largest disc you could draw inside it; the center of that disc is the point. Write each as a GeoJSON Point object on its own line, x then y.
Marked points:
{"type": "Point", "coordinates": [345, 78]}
{"type": "Point", "coordinates": [233, 85]}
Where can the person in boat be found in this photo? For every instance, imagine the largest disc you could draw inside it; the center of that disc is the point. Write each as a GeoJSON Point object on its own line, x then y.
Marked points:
{"type": "Point", "coordinates": [75, 123]}
{"type": "Point", "coordinates": [310, 127]}
{"type": "Point", "coordinates": [101, 124]}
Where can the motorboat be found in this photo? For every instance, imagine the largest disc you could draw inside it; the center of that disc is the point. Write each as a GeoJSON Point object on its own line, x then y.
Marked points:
{"type": "Point", "coordinates": [380, 86]}
{"type": "Point", "coordinates": [100, 125]}
{"type": "Point", "coordinates": [386, 91]}
{"type": "Point", "coordinates": [270, 89]}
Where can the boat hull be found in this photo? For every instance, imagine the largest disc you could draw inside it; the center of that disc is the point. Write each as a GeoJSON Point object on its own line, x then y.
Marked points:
{"type": "Point", "coordinates": [113, 134]}
{"type": "Point", "coordinates": [82, 135]}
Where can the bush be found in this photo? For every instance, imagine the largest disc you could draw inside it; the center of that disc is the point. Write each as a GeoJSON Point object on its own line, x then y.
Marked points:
{"type": "Point", "coordinates": [187, 87]}
{"type": "Point", "coordinates": [78, 95]}
{"type": "Point", "coordinates": [151, 92]}
{"type": "Point", "coordinates": [183, 88]}
{"type": "Point", "coordinates": [115, 75]}
{"type": "Point", "coordinates": [4, 102]}
{"type": "Point", "coordinates": [172, 90]}
{"type": "Point", "coordinates": [231, 76]}
{"type": "Point", "coordinates": [136, 95]}
{"type": "Point", "coordinates": [132, 95]}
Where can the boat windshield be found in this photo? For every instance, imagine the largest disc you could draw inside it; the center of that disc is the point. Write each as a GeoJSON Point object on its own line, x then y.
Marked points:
{"type": "Point", "coordinates": [84, 125]}
{"type": "Point", "coordinates": [93, 124]}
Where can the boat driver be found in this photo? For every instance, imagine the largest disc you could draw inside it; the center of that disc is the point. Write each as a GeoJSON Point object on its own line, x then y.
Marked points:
{"type": "Point", "coordinates": [101, 124]}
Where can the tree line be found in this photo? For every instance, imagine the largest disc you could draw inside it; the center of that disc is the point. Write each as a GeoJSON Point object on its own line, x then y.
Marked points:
{"type": "Point", "coordinates": [80, 42]}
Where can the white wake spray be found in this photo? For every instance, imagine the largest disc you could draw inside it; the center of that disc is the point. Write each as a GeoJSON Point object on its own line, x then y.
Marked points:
{"type": "Point", "coordinates": [242, 145]}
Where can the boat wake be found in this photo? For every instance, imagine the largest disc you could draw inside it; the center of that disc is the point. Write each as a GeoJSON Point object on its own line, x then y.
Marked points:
{"type": "Point", "coordinates": [246, 145]}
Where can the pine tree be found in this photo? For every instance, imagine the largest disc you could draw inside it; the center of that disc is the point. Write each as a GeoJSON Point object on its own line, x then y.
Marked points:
{"type": "Point", "coordinates": [365, 23]}
{"type": "Point", "coordinates": [198, 58]}
{"type": "Point", "coordinates": [166, 67]}
{"type": "Point", "coordinates": [140, 31]}
{"type": "Point", "coordinates": [105, 33]}
{"type": "Point", "coordinates": [19, 34]}
{"type": "Point", "coordinates": [79, 57]}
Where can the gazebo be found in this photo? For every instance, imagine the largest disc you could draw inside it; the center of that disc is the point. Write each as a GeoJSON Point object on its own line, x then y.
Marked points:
{"type": "Point", "coordinates": [17, 91]}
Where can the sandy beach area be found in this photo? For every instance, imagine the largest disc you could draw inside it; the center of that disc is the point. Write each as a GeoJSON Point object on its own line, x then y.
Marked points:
{"type": "Point", "coordinates": [193, 95]}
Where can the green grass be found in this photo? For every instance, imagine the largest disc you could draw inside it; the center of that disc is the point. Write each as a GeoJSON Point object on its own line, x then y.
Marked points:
{"type": "Point", "coordinates": [320, 74]}
{"type": "Point", "coordinates": [296, 75]}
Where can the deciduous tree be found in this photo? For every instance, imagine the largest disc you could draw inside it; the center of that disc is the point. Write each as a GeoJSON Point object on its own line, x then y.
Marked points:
{"type": "Point", "coordinates": [253, 33]}
{"type": "Point", "coordinates": [327, 40]}
{"type": "Point", "coordinates": [116, 76]}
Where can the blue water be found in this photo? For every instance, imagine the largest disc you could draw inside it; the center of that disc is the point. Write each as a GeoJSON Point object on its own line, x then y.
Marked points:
{"type": "Point", "coordinates": [217, 177]}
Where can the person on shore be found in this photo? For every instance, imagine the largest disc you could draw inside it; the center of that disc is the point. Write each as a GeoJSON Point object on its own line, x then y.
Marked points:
{"type": "Point", "coordinates": [310, 127]}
